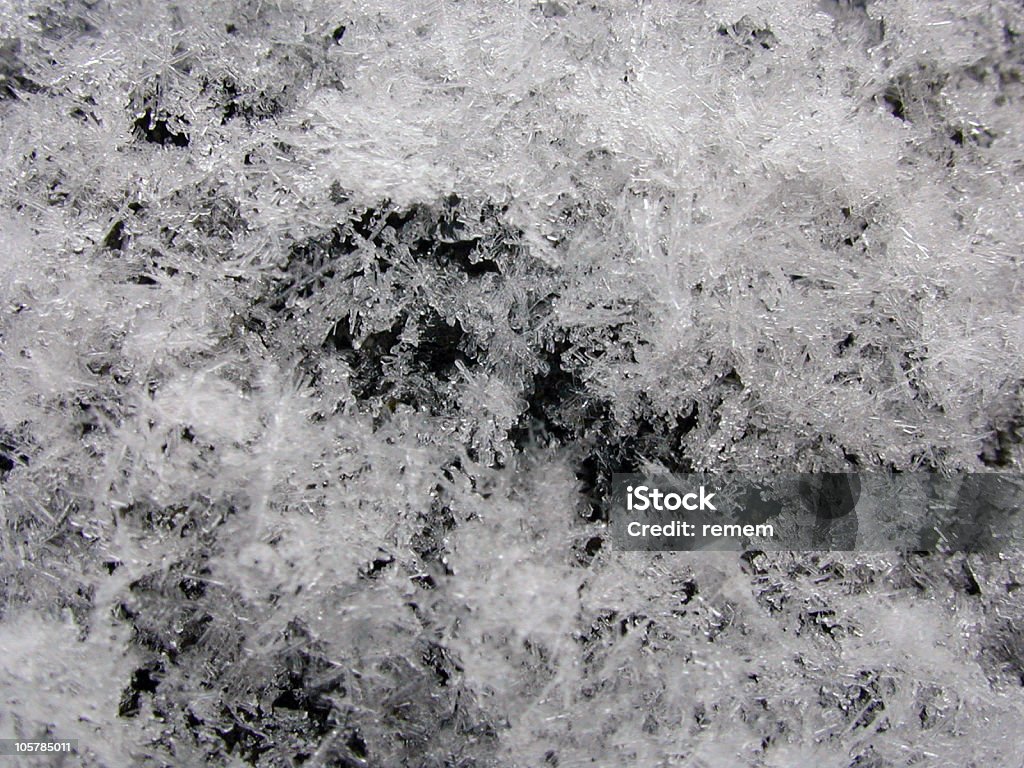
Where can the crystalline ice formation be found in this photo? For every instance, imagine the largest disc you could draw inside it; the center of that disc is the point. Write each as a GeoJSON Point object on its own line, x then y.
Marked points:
{"type": "Point", "coordinates": [323, 328]}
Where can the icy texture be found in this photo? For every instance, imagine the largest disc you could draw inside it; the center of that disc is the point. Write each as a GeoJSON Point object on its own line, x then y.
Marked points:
{"type": "Point", "coordinates": [325, 325]}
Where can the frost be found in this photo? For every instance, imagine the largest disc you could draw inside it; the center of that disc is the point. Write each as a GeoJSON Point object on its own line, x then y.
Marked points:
{"type": "Point", "coordinates": [323, 329]}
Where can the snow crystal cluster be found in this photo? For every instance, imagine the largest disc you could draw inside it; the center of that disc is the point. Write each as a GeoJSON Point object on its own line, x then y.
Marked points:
{"type": "Point", "coordinates": [324, 326]}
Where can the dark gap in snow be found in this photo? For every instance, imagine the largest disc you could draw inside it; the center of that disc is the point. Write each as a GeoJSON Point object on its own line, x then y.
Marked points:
{"type": "Point", "coordinates": [438, 660]}
{"type": "Point", "coordinates": [852, 458]}
{"type": "Point", "coordinates": [357, 745]}
{"type": "Point", "coordinates": [115, 237]}
{"type": "Point", "coordinates": [584, 551]}
{"type": "Point", "coordinates": [689, 591]}
{"type": "Point", "coordinates": [243, 741]}
{"type": "Point", "coordinates": [10, 455]}
{"type": "Point", "coordinates": [156, 129]}
{"type": "Point", "coordinates": [398, 219]}
{"type": "Point", "coordinates": [145, 679]}
{"type": "Point", "coordinates": [442, 344]}
{"type": "Point", "coordinates": [732, 379]}
{"type": "Point", "coordinates": [894, 101]}
{"type": "Point", "coordinates": [551, 389]}
{"type": "Point", "coordinates": [915, 95]}
{"type": "Point", "coordinates": [975, 135]}
{"type": "Point", "coordinates": [338, 194]}
{"type": "Point", "coordinates": [191, 588]}
{"type": "Point", "coordinates": [376, 567]}
{"type": "Point", "coordinates": [363, 226]}
{"type": "Point", "coordinates": [970, 584]}
{"type": "Point", "coordinates": [366, 361]}
{"type": "Point", "coordinates": [999, 447]}
{"type": "Point", "coordinates": [236, 103]}
{"type": "Point", "coordinates": [88, 421]}
{"type": "Point", "coordinates": [429, 544]}
{"type": "Point", "coordinates": [460, 253]}
{"type": "Point", "coordinates": [748, 34]}
{"type": "Point", "coordinates": [12, 71]}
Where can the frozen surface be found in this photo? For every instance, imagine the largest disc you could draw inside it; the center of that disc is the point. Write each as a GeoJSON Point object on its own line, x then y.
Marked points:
{"type": "Point", "coordinates": [323, 327]}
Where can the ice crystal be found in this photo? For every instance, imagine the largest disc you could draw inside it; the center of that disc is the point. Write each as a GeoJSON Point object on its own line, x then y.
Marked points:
{"type": "Point", "coordinates": [323, 328]}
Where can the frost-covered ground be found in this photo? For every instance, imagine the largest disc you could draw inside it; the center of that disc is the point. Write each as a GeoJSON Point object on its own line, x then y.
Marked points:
{"type": "Point", "coordinates": [324, 325]}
